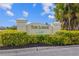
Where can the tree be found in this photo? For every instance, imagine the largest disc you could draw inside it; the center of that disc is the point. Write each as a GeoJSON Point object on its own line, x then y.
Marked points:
{"type": "Point", "coordinates": [6, 28]}
{"type": "Point", "coordinates": [67, 14]}
{"type": "Point", "coordinates": [12, 28]}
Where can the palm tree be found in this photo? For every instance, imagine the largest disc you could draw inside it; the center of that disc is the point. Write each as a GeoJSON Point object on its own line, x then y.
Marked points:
{"type": "Point", "coordinates": [67, 14]}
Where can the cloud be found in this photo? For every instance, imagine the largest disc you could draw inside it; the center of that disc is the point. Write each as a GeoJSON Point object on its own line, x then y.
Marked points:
{"type": "Point", "coordinates": [25, 13]}
{"type": "Point", "coordinates": [10, 13]}
{"type": "Point", "coordinates": [51, 16]}
{"type": "Point", "coordinates": [6, 6]}
{"type": "Point", "coordinates": [47, 8]}
{"type": "Point", "coordinates": [29, 22]}
{"type": "Point", "coordinates": [34, 4]}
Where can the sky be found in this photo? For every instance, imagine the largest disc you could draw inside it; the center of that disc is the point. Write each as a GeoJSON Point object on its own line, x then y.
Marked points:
{"type": "Point", "coordinates": [32, 12]}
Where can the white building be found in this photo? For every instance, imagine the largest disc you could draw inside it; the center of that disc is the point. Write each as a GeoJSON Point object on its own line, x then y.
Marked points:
{"type": "Point", "coordinates": [37, 28]}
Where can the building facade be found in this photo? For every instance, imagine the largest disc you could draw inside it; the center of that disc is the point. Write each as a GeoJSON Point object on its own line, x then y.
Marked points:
{"type": "Point", "coordinates": [37, 28]}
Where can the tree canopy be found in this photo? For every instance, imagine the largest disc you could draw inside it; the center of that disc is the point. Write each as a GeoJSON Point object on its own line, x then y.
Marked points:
{"type": "Point", "coordinates": [68, 15]}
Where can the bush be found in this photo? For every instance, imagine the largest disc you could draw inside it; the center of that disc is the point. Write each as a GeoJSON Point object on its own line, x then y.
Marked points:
{"type": "Point", "coordinates": [18, 38]}
{"type": "Point", "coordinates": [13, 38]}
{"type": "Point", "coordinates": [73, 36]}
{"type": "Point", "coordinates": [57, 40]}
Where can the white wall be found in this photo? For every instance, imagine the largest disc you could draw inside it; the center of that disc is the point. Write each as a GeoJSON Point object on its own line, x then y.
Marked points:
{"type": "Point", "coordinates": [38, 31]}
{"type": "Point", "coordinates": [22, 26]}
{"type": "Point", "coordinates": [56, 26]}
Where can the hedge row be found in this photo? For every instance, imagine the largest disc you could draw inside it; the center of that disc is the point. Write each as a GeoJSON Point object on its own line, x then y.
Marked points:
{"type": "Point", "coordinates": [72, 35]}
{"type": "Point", "coordinates": [13, 38]}
{"type": "Point", "coordinates": [17, 38]}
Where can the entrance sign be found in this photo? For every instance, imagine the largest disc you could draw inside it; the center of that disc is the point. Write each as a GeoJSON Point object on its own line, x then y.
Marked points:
{"type": "Point", "coordinates": [37, 28]}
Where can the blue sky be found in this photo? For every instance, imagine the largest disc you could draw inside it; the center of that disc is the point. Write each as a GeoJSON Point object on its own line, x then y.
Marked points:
{"type": "Point", "coordinates": [40, 13]}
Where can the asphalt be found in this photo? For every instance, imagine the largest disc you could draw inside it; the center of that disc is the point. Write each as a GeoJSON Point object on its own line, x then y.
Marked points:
{"type": "Point", "coordinates": [43, 51]}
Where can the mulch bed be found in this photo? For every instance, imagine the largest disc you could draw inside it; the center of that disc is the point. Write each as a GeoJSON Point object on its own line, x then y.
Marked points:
{"type": "Point", "coordinates": [31, 45]}
{"type": "Point", "coordinates": [19, 47]}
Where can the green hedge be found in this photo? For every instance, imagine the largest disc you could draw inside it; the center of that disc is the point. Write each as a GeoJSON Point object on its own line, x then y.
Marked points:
{"type": "Point", "coordinates": [72, 35]}
{"type": "Point", "coordinates": [18, 38]}
{"type": "Point", "coordinates": [13, 38]}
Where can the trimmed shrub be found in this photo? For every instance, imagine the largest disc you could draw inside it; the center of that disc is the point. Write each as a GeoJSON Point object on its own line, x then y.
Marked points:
{"type": "Point", "coordinates": [13, 38]}
{"type": "Point", "coordinates": [73, 36]}
{"type": "Point", "coordinates": [18, 38]}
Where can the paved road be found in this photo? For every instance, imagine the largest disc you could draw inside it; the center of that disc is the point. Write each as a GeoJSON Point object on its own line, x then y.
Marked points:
{"type": "Point", "coordinates": [42, 51]}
